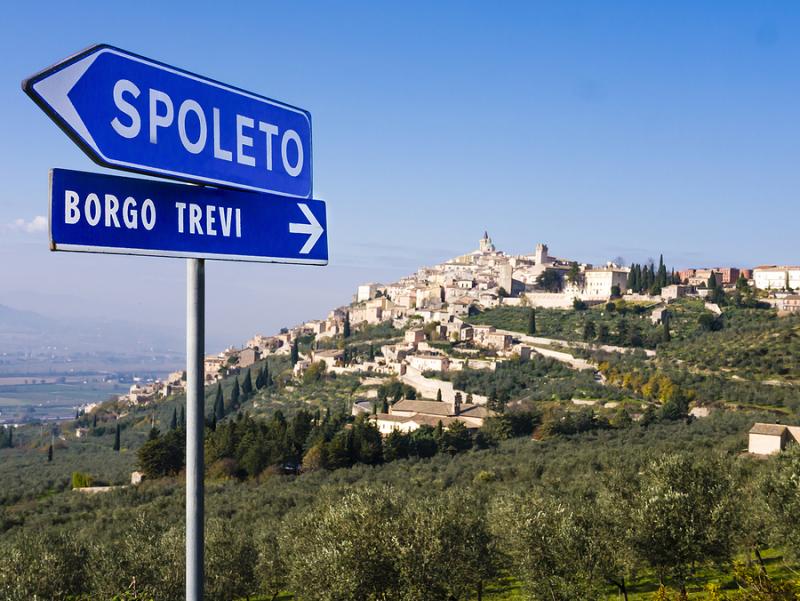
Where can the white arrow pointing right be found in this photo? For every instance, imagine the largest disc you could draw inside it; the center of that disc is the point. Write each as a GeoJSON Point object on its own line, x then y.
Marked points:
{"type": "Point", "coordinates": [313, 228]}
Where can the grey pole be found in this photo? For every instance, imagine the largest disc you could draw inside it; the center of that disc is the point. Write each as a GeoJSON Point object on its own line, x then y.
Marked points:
{"type": "Point", "coordinates": [195, 424]}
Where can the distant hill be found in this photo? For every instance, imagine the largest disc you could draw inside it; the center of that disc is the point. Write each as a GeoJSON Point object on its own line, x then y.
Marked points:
{"type": "Point", "coordinates": [12, 320]}
{"type": "Point", "coordinates": [30, 332]}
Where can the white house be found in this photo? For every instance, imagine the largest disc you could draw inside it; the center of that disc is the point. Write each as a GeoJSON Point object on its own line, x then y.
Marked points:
{"type": "Point", "coordinates": [331, 358]}
{"type": "Point", "coordinates": [598, 282]}
{"type": "Point", "coordinates": [773, 277]}
{"type": "Point", "coordinates": [414, 336]}
{"type": "Point", "coordinates": [428, 362]}
{"type": "Point", "coordinates": [366, 292]}
{"type": "Point", "coordinates": [768, 439]}
{"type": "Point", "coordinates": [497, 340]}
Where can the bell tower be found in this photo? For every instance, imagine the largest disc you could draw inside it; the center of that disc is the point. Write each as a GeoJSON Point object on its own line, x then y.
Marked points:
{"type": "Point", "coordinates": [485, 243]}
{"type": "Point", "coordinates": [541, 254]}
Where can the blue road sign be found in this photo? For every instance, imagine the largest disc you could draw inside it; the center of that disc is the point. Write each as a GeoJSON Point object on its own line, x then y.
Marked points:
{"type": "Point", "coordinates": [90, 212]}
{"type": "Point", "coordinates": [132, 113]}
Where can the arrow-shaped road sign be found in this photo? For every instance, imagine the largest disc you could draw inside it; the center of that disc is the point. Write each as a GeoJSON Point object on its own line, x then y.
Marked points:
{"type": "Point", "coordinates": [90, 212]}
{"type": "Point", "coordinates": [313, 228]}
{"type": "Point", "coordinates": [132, 113]}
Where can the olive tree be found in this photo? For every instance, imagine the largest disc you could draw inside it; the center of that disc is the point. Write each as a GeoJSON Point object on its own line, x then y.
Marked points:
{"type": "Point", "coordinates": [686, 514]}
{"type": "Point", "coordinates": [446, 551]}
{"type": "Point", "coordinates": [339, 548]}
{"type": "Point", "coordinates": [146, 560]}
{"type": "Point", "coordinates": [270, 562]}
{"type": "Point", "coordinates": [230, 562]}
{"type": "Point", "coordinates": [547, 548]}
{"type": "Point", "coordinates": [781, 491]}
{"type": "Point", "coordinates": [42, 567]}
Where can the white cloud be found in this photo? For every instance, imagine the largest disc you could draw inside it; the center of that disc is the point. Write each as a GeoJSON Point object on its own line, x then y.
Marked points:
{"type": "Point", "coordinates": [34, 226]}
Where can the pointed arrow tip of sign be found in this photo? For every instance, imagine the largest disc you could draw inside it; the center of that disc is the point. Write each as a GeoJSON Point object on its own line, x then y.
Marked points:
{"type": "Point", "coordinates": [54, 89]}
{"type": "Point", "coordinates": [312, 228]}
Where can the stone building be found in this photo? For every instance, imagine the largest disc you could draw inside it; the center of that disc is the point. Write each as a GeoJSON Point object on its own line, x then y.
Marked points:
{"type": "Point", "coordinates": [768, 439]}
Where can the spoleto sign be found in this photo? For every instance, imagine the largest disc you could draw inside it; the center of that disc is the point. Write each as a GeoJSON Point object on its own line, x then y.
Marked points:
{"type": "Point", "coordinates": [129, 112]}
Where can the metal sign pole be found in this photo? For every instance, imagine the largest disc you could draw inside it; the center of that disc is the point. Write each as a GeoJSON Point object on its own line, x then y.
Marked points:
{"type": "Point", "coordinates": [195, 424]}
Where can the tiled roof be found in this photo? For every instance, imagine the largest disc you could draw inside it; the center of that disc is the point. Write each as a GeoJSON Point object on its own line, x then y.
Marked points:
{"type": "Point", "coordinates": [387, 417]}
{"type": "Point", "coordinates": [769, 429]}
{"type": "Point", "coordinates": [425, 407]}
{"type": "Point", "coordinates": [476, 411]}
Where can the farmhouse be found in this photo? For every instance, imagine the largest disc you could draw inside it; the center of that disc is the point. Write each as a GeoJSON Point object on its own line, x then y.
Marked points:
{"type": "Point", "coordinates": [426, 362]}
{"type": "Point", "coordinates": [331, 358]}
{"type": "Point", "coordinates": [768, 439]}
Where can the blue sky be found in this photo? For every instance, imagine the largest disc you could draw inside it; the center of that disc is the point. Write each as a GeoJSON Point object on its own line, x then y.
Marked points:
{"type": "Point", "coordinates": [604, 129]}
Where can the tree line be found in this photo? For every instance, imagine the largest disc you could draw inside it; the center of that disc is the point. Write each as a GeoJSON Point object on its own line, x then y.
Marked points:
{"type": "Point", "coordinates": [245, 447]}
{"type": "Point", "coordinates": [649, 279]}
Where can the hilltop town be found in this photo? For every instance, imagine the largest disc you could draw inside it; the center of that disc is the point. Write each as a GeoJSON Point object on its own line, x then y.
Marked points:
{"type": "Point", "coordinates": [433, 310]}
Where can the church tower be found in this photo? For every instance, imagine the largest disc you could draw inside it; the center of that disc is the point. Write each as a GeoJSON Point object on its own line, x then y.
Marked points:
{"type": "Point", "coordinates": [486, 245]}
{"type": "Point", "coordinates": [541, 254]}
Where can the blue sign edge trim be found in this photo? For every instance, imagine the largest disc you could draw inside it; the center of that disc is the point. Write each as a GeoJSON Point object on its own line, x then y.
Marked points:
{"type": "Point", "coordinates": [114, 250]}
{"type": "Point", "coordinates": [27, 87]}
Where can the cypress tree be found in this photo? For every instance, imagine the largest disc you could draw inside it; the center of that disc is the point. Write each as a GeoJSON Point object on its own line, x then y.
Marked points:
{"type": "Point", "coordinates": [622, 331]}
{"type": "Point", "coordinates": [439, 395]}
{"type": "Point", "coordinates": [50, 453]}
{"type": "Point", "coordinates": [117, 438]}
{"type": "Point", "coordinates": [371, 352]}
{"type": "Point", "coordinates": [183, 419]}
{"type": "Point", "coordinates": [295, 355]}
{"type": "Point", "coordinates": [531, 321]}
{"type": "Point", "coordinates": [649, 277]}
{"type": "Point", "coordinates": [247, 385]}
{"type": "Point", "coordinates": [11, 438]}
{"type": "Point", "coordinates": [219, 404]}
{"type": "Point", "coordinates": [589, 331]}
{"type": "Point", "coordinates": [346, 326]}
{"type": "Point", "coordinates": [173, 423]}
{"type": "Point", "coordinates": [661, 280]}
{"type": "Point", "coordinates": [235, 392]}
{"type": "Point", "coordinates": [741, 284]}
{"type": "Point", "coordinates": [712, 281]}
{"type": "Point", "coordinates": [267, 376]}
